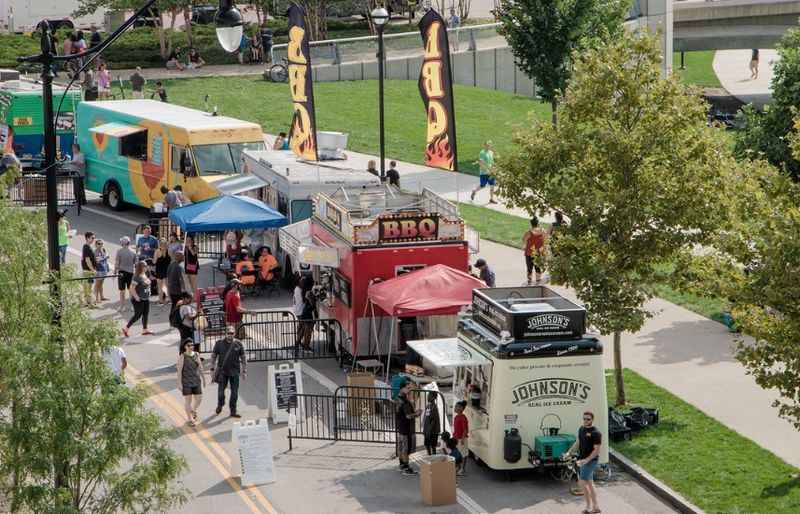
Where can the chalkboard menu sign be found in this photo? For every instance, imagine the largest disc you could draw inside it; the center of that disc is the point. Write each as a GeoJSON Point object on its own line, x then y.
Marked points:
{"type": "Point", "coordinates": [211, 305]}
{"type": "Point", "coordinates": [285, 382]}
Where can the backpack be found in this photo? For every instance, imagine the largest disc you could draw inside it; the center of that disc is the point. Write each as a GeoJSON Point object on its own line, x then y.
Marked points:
{"type": "Point", "coordinates": [175, 318]}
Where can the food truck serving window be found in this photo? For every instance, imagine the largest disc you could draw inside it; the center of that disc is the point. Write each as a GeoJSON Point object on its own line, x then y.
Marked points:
{"type": "Point", "coordinates": [301, 210]}
{"type": "Point", "coordinates": [134, 145]}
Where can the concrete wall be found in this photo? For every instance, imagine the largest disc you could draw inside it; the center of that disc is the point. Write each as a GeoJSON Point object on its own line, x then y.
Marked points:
{"type": "Point", "coordinates": [489, 68]}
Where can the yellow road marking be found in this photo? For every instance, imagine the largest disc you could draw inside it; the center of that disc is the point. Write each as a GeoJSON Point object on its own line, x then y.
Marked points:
{"type": "Point", "coordinates": [211, 449]}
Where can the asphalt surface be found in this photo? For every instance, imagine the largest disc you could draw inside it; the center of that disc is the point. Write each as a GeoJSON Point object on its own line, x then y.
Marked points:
{"type": "Point", "coordinates": [315, 476]}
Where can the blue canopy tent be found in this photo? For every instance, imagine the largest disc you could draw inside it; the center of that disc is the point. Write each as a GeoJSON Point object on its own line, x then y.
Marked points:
{"type": "Point", "coordinates": [227, 213]}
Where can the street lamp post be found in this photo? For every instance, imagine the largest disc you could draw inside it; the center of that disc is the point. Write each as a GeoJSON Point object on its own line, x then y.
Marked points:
{"type": "Point", "coordinates": [380, 16]}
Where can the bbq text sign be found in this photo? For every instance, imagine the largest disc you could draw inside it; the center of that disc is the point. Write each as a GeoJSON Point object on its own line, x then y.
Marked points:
{"type": "Point", "coordinates": [396, 229]}
{"type": "Point", "coordinates": [436, 90]}
{"type": "Point", "coordinates": [303, 132]}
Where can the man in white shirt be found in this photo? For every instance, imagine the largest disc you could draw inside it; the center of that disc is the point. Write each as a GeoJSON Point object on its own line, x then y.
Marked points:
{"type": "Point", "coordinates": [116, 361]}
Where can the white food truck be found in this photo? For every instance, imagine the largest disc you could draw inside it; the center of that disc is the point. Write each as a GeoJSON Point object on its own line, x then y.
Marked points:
{"type": "Point", "coordinates": [527, 372]}
{"type": "Point", "coordinates": [290, 186]}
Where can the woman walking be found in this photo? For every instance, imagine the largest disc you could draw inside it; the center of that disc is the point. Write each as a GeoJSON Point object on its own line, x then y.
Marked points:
{"type": "Point", "coordinates": [191, 263]}
{"type": "Point", "coordinates": [101, 256]}
{"type": "Point", "coordinates": [140, 298]}
{"type": "Point", "coordinates": [534, 240]}
{"type": "Point", "coordinates": [103, 82]}
{"type": "Point", "coordinates": [163, 259]}
{"type": "Point", "coordinates": [191, 380]}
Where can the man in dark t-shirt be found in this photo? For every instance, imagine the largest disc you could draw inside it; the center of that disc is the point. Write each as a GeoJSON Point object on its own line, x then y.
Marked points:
{"type": "Point", "coordinates": [588, 444]}
{"type": "Point", "coordinates": [404, 425]}
{"type": "Point", "coordinates": [89, 268]}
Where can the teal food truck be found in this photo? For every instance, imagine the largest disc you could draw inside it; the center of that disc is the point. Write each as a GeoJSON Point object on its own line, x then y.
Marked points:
{"type": "Point", "coordinates": [21, 126]}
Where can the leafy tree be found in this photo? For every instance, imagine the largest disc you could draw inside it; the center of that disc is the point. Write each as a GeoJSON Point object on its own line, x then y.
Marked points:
{"type": "Point", "coordinates": [170, 7]}
{"type": "Point", "coordinates": [766, 135]}
{"type": "Point", "coordinates": [634, 167]}
{"type": "Point", "coordinates": [544, 34]}
{"type": "Point", "coordinates": [62, 413]}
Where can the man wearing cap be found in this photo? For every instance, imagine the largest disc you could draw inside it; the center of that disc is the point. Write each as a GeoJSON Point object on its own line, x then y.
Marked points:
{"type": "Point", "coordinates": [228, 361]}
{"type": "Point", "coordinates": [404, 424]}
{"type": "Point", "coordinates": [124, 262]}
{"type": "Point", "coordinates": [485, 273]}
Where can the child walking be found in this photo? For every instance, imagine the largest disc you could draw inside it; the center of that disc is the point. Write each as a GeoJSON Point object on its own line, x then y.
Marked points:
{"type": "Point", "coordinates": [460, 434]}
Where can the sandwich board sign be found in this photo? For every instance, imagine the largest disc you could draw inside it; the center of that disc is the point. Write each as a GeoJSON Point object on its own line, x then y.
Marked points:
{"type": "Point", "coordinates": [284, 382]}
{"type": "Point", "coordinates": [254, 442]}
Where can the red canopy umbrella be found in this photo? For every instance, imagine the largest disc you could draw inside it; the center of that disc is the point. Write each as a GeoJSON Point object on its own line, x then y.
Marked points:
{"type": "Point", "coordinates": [428, 291]}
{"type": "Point", "coordinates": [433, 290]}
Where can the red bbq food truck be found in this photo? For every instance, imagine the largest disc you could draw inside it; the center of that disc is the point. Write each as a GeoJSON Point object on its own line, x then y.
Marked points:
{"type": "Point", "coordinates": [357, 237]}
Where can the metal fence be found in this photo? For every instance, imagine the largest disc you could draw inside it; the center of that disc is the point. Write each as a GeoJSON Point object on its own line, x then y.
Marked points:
{"type": "Point", "coordinates": [354, 413]}
{"type": "Point", "coordinates": [405, 44]}
{"type": "Point", "coordinates": [30, 190]}
{"type": "Point", "coordinates": [275, 336]}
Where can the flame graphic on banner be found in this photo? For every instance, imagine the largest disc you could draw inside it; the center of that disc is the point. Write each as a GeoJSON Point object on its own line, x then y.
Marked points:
{"type": "Point", "coordinates": [303, 130]}
{"type": "Point", "coordinates": [436, 89]}
{"type": "Point", "coordinates": [303, 141]}
{"type": "Point", "coordinates": [439, 153]}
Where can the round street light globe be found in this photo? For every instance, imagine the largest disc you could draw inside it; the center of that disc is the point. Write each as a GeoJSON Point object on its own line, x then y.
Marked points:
{"type": "Point", "coordinates": [229, 26]}
{"type": "Point", "coordinates": [379, 16]}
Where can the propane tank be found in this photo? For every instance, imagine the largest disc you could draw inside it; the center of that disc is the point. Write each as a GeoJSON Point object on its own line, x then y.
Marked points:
{"type": "Point", "coordinates": [512, 445]}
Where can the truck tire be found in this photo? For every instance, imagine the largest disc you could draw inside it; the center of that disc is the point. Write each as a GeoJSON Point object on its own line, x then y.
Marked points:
{"type": "Point", "coordinates": [113, 196]}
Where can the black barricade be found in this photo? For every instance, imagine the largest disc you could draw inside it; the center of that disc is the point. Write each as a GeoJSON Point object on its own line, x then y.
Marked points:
{"type": "Point", "coordinates": [30, 189]}
{"type": "Point", "coordinates": [355, 413]}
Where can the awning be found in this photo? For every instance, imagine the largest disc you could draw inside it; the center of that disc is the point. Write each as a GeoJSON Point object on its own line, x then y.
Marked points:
{"type": "Point", "coordinates": [450, 352]}
{"type": "Point", "coordinates": [117, 129]}
{"type": "Point", "coordinates": [226, 213]}
{"type": "Point", "coordinates": [318, 255]}
{"type": "Point", "coordinates": [239, 184]}
{"type": "Point", "coordinates": [433, 290]}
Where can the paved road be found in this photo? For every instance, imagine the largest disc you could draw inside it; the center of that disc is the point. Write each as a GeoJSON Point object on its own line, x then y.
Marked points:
{"type": "Point", "coordinates": [315, 476]}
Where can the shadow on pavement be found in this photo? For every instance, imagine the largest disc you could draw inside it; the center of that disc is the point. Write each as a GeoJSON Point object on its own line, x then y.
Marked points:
{"type": "Point", "coordinates": [704, 342]}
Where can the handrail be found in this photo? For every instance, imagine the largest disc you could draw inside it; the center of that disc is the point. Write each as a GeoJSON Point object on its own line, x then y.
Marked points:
{"type": "Point", "coordinates": [386, 36]}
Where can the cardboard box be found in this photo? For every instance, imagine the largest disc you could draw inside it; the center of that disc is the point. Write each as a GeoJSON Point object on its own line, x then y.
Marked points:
{"type": "Point", "coordinates": [437, 480]}
{"type": "Point", "coordinates": [361, 393]}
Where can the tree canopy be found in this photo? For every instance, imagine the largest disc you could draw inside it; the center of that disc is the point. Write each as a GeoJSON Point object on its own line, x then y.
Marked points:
{"type": "Point", "coordinates": [636, 170]}
{"type": "Point", "coordinates": [72, 439]}
{"type": "Point", "coordinates": [544, 34]}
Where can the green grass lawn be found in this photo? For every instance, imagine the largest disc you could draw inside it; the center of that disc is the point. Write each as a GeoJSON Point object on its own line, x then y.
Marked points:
{"type": "Point", "coordinates": [715, 468]}
{"type": "Point", "coordinates": [507, 229]}
{"type": "Point", "coordinates": [699, 70]}
{"type": "Point", "coordinates": [352, 107]}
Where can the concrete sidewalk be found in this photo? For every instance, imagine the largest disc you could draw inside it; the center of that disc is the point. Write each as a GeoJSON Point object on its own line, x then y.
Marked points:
{"type": "Point", "coordinates": [732, 69]}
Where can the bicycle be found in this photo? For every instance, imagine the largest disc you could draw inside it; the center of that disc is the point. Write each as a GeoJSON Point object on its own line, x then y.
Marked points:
{"type": "Point", "coordinates": [278, 72]}
{"type": "Point", "coordinates": [568, 473]}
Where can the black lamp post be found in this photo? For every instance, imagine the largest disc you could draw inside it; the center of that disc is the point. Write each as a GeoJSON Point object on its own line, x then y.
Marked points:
{"type": "Point", "coordinates": [380, 16]}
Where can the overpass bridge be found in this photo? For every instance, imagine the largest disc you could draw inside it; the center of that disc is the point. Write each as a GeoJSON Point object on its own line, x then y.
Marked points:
{"type": "Point", "coordinates": [731, 24]}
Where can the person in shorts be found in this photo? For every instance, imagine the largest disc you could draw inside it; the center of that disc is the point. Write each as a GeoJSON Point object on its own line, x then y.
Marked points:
{"type": "Point", "coordinates": [404, 425]}
{"type": "Point", "coordinates": [486, 167]}
{"type": "Point", "coordinates": [588, 445]}
{"type": "Point", "coordinates": [191, 379]}
{"type": "Point", "coordinates": [124, 263]}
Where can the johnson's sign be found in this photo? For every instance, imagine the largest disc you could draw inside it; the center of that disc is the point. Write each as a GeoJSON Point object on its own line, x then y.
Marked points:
{"type": "Point", "coordinates": [548, 321]}
{"type": "Point", "coordinates": [401, 228]}
{"type": "Point", "coordinates": [551, 391]}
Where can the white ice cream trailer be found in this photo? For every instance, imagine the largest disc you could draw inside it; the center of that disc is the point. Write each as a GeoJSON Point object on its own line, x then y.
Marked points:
{"type": "Point", "coordinates": [528, 373]}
